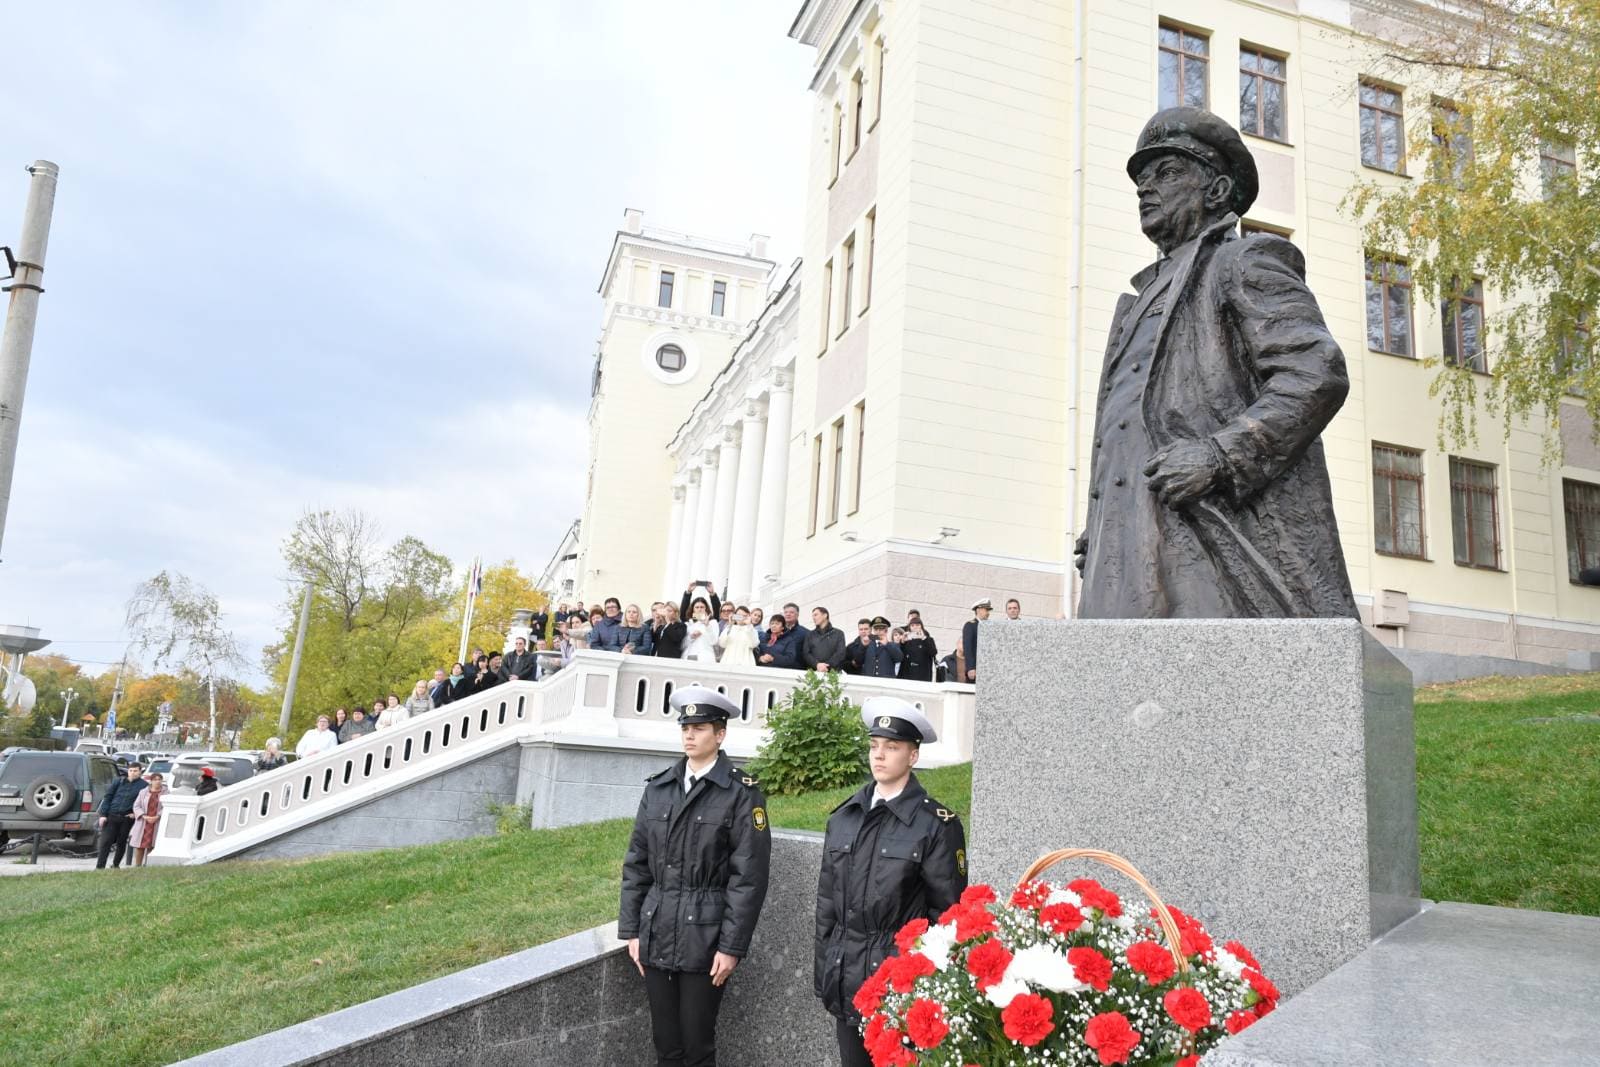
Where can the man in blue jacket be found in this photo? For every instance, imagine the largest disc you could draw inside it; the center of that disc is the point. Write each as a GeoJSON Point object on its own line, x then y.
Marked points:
{"type": "Point", "coordinates": [116, 815]}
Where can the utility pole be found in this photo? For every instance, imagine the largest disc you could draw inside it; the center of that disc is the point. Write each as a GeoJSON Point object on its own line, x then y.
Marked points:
{"type": "Point", "coordinates": [294, 665]}
{"type": "Point", "coordinates": [16, 345]}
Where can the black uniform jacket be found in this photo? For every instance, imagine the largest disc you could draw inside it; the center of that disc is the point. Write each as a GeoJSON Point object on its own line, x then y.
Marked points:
{"type": "Point", "coordinates": [880, 870]}
{"type": "Point", "coordinates": [696, 869]}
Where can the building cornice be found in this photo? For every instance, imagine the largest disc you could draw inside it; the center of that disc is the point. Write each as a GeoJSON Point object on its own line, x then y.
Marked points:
{"type": "Point", "coordinates": [688, 252]}
{"type": "Point", "coordinates": [669, 317]}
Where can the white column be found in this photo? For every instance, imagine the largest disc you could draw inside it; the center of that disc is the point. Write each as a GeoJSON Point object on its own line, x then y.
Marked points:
{"type": "Point", "coordinates": [691, 515]}
{"type": "Point", "coordinates": [700, 547]}
{"type": "Point", "coordinates": [742, 552]}
{"type": "Point", "coordinates": [722, 509]}
{"type": "Point", "coordinates": [669, 577]}
{"type": "Point", "coordinates": [774, 480]}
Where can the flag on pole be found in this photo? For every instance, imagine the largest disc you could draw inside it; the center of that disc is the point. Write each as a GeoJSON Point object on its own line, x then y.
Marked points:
{"type": "Point", "coordinates": [474, 587]}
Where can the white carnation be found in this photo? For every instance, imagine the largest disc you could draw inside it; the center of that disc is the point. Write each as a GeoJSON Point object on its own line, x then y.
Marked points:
{"type": "Point", "coordinates": [1229, 964]}
{"type": "Point", "coordinates": [1045, 967]}
{"type": "Point", "coordinates": [1003, 992]}
{"type": "Point", "coordinates": [938, 944]}
{"type": "Point", "coordinates": [1064, 896]}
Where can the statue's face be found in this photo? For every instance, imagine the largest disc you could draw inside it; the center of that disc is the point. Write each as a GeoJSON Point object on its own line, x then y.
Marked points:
{"type": "Point", "coordinates": [1178, 197]}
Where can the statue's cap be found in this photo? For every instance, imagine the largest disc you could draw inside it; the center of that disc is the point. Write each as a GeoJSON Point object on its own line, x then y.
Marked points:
{"type": "Point", "coordinates": [1205, 137]}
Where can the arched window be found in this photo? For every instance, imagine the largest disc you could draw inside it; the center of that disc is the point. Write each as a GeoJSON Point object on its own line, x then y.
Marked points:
{"type": "Point", "coordinates": [670, 358]}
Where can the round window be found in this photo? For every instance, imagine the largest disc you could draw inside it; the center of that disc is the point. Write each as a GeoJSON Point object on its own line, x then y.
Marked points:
{"type": "Point", "coordinates": [670, 358]}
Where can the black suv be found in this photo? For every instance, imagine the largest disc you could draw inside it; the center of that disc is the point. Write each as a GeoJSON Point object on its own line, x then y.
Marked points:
{"type": "Point", "coordinates": [53, 793]}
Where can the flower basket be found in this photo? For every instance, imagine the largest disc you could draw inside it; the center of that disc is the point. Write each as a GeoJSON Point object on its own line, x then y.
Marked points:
{"type": "Point", "coordinates": [1059, 974]}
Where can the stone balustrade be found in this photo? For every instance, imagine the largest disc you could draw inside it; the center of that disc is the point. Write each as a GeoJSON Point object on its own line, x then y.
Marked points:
{"type": "Point", "coordinates": [599, 695]}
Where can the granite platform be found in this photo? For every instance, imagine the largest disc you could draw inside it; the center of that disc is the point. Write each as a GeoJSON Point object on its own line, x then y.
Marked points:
{"type": "Point", "coordinates": [1261, 773]}
{"type": "Point", "coordinates": [1459, 984]}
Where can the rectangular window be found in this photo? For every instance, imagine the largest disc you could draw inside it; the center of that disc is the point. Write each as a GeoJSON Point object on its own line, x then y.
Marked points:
{"type": "Point", "coordinates": [836, 486]}
{"type": "Point", "coordinates": [1452, 134]}
{"type": "Point", "coordinates": [1463, 328]}
{"type": "Point", "coordinates": [827, 304]}
{"type": "Point", "coordinates": [838, 139]}
{"type": "Point", "coordinates": [849, 284]}
{"type": "Point", "coordinates": [861, 453]}
{"type": "Point", "coordinates": [664, 295]}
{"type": "Point", "coordinates": [816, 485]}
{"type": "Point", "coordinates": [1474, 514]}
{"type": "Point", "coordinates": [1558, 164]}
{"type": "Point", "coordinates": [1383, 128]}
{"type": "Point", "coordinates": [1582, 504]}
{"type": "Point", "coordinates": [1263, 94]}
{"type": "Point", "coordinates": [1184, 64]}
{"type": "Point", "coordinates": [1389, 307]}
{"type": "Point", "coordinates": [1397, 502]}
{"type": "Point", "coordinates": [719, 298]}
{"type": "Point", "coordinates": [872, 258]}
{"type": "Point", "coordinates": [858, 98]}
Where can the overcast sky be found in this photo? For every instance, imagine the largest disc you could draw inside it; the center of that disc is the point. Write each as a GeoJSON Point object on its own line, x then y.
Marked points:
{"type": "Point", "coordinates": [309, 254]}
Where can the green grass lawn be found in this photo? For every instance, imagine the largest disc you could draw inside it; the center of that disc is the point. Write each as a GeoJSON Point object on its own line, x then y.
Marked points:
{"type": "Point", "coordinates": [148, 966]}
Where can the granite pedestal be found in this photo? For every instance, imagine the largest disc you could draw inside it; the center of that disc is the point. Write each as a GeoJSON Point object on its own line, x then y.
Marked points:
{"type": "Point", "coordinates": [1260, 773]}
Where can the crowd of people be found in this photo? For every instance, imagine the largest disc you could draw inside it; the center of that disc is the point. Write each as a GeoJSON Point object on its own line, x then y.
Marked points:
{"type": "Point", "coordinates": [704, 627]}
{"type": "Point", "coordinates": [701, 626]}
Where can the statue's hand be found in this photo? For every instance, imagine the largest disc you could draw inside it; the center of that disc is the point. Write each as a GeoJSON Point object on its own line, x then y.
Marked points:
{"type": "Point", "coordinates": [1080, 552]}
{"type": "Point", "coordinates": [1183, 473]}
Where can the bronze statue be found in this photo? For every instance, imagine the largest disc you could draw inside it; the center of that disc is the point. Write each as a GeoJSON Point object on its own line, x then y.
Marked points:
{"type": "Point", "coordinates": [1209, 493]}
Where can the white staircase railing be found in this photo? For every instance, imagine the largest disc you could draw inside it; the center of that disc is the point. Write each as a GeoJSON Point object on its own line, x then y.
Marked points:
{"type": "Point", "coordinates": [600, 694]}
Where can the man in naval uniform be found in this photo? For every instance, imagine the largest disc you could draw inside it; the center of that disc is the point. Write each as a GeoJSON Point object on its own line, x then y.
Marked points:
{"type": "Point", "coordinates": [693, 880]}
{"type": "Point", "coordinates": [891, 854]}
{"type": "Point", "coordinates": [1209, 493]}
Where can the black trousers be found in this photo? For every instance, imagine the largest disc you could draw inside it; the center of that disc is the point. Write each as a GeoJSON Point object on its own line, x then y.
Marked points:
{"type": "Point", "coordinates": [852, 1053]}
{"type": "Point", "coordinates": [114, 833]}
{"type": "Point", "coordinates": [683, 1016]}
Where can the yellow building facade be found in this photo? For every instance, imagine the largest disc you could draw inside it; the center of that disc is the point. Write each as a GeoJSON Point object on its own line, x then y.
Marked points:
{"type": "Point", "coordinates": [969, 228]}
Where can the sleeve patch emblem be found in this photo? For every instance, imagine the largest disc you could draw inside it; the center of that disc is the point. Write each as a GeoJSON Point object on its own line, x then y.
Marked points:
{"type": "Point", "coordinates": [759, 817]}
{"type": "Point", "coordinates": [961, 860]}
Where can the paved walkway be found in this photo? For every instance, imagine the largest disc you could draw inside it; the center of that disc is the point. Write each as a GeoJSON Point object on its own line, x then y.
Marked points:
{"type": "Point", "coordinates": [11, 864]}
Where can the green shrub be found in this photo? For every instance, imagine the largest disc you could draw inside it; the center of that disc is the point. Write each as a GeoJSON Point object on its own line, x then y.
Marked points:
{"type": "Point", "coordinates": [511, 818]}
{"type": "Point", "coordinates": [818, 740]}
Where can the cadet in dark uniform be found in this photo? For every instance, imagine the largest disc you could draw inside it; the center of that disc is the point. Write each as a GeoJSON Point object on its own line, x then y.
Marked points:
{"type": "Point", "coordinates": [892, 854]}
{"type": "Point", "coordinates": [693, 880]}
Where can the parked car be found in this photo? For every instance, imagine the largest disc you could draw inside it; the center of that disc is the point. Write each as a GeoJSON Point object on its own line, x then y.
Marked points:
{"type": "Point", "coordinates": [161, 765]}
{"type": "Point", "coordinates": [53, 793]}
{"type": "Point", "coordinates": [93, 746]}
{"type": "Point", "coordinates": [229, 767]}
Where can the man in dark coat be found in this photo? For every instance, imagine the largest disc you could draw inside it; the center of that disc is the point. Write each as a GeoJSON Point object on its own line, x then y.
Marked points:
{"type": "Point", "coordinates": [823, 646]}
{"type": "Point", "coordinates": [891, 854]}
{"type": "Point", "coordinates": [882, 656]}
{"type": "Point", "coordinates": [969, 640]}
{"type": "Point", "coordinates": [116, 815]}
{"type": "Point", "coordinates": [693, 880]}
{"type": "Point", "coordinates": [521, 664]}
{"type": "Point", "coordinates": [1209, 494]}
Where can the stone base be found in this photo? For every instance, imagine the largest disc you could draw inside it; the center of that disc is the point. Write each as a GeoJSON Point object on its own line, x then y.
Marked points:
{"type": "Point", "coordinates": [1459, 984]}
{"type": "Point", "coordinates": [1260, 773]}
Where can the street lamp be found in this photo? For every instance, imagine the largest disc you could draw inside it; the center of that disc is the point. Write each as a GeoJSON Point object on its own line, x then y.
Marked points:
{"type": "Point", "coordinates": [66, 695]}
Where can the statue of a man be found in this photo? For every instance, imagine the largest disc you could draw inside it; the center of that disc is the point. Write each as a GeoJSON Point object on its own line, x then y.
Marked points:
{"type": "Point", "coordinates": [1209, 494]}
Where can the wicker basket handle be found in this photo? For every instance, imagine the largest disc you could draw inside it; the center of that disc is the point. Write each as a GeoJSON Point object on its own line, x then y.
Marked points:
{"type": "Point", "coordinates": [1169, 926]}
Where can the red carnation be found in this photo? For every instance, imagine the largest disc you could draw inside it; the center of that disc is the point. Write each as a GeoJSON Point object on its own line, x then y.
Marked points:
{"type": "Point", "coordinates": [1264, 1008]}
{"type": "Point", "coordinates": [1192, 937]}
{"type": "Point", "coordinates": [1030, 895]}
{"type": "Point", "coordinates": [906, 939]}
{"type": "Point", "coordinates": [1063, 918]}
{"type": "Point", "coordinates": [925, 1023]}
{"type": "Point", "coordinates": [971, 920]}
{"type": "Point", "coordinates": [1188, 1008]}
{"type": "Point", "coordinates": [1110, 1035]}
{"type": "Point", "coordinates": [1152, 961]}
{"type": "Point", "coordinates": [907, 969]}
{"type": "Point", "coordinates": [870, 996]}
{"type": "Point", "coordinates": [987, 963]}
{"type": "Point", "coordinates": [875, 1025]}
{"type": "Point", "coordinates": [1239, 1020]}
{"type": "Point", "coordinates": [977, 894]}
{"type": "Point", "coordinates": [1090, 967]}
{"type": "Point", "coordinates": [890, 1050]}
{"type": "Point", "coordinates": [1242, 954]}
{"type": "Point", "coordinates": [1095, 895]}
{"type": "Point", "coordinates": [1188, 1061]}
{"type": "Point", "coordinates": [1262, 985]}
{"type": "Point", "coordinates": [1027, 1019]}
